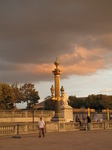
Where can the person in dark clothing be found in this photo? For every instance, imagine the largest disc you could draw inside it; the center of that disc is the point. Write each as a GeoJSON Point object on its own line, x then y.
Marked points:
{"type": "Point", "coordinates": [88, 122]}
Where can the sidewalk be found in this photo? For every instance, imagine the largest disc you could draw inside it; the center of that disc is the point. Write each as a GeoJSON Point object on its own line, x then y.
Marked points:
{"type": "Point", "coordinates": [78, 140]}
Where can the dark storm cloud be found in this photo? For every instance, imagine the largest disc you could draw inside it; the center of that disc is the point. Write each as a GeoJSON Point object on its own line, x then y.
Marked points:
{"type": "Point", "coordinates": [23, 77]}
{"type": "Point", "coordinates": [38, 31]}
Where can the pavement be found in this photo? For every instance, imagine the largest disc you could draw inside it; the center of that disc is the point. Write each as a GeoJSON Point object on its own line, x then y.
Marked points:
{"type": "Point", "coordinates": [76, 140]}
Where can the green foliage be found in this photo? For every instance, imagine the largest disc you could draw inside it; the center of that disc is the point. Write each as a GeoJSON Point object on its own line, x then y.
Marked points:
{"type": "Point", "coordinates": [13, 94]}
{"type": "Point", "coordinates": [107, 102]}
{"type": "Point", "coordinates": [17, 93]}
{"type": "Point", "coordinates": [29, 95]}
{"type": "Point", "coordinates": [0, 91]}
{"type": "Point", "coordinates": [89, 101]}
{"type": "Point", "coordinates": [75, 102]}
{"type": "Point", "coordinates": [98, 102]}
{"type": "Point", "coordinates": [6, 96]}
{"type": "Point", "coordinates": [49, 104]}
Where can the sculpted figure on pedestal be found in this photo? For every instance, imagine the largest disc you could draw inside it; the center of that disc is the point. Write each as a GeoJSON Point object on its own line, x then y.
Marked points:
{"type": "Point", "coordinates": [64, 99]}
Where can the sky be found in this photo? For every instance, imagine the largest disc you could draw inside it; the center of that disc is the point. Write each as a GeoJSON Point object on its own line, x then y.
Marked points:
{"type": "Point", "coordinates": [33, 33]}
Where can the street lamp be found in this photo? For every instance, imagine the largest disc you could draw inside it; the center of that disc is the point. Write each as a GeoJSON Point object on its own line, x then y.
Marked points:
{"type": "Point", "coordinates": [56, 97]}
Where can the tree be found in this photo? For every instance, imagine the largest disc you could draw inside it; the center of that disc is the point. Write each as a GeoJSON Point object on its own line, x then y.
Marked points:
{"type": "Point", "coordinates": [98, 102]}
{"type": "Point", "coordinates": [0, 92]}
{"type": "Point", "coordinates": [106, 102]}
{"type": "Point", "coordinates": [75, 102]}
{"type": "Point", "coordinates": [29, 95]}
{"type": "Point", "coordinates": [6, 96]}
{"type": "Point", "coordinates": [88, 102]}
{"type": "Point", "coordinates": [17, 93]}
{"type": "Point", "coordinates": [49, 104]}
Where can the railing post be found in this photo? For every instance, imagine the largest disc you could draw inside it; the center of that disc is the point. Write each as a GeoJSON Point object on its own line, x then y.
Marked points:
{"type": "Point", "coordinates": [104, 124]}
{"type": "Point", "coordinates": [33, 115]}
{"type": "Point", "coordinates": [17, 135]}
{"type": "Point", "coordinates": [17, 129]}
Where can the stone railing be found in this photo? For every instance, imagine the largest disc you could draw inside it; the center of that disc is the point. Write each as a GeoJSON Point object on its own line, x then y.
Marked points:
{"type": "Point", "coordinates": [34, 115]}
{"type": "Point", "coordinates": [25, 113]}
{"type": "Point", "coordinates": [24, 128]}
{"type": "Point", "coordinates": [97, 125]}
{"type": "Point", "coordinates": [16, 129]}
{"type": "Point", "coordinates": [25, 116]}
{"type": "Point", "coordinates": [7, 129]}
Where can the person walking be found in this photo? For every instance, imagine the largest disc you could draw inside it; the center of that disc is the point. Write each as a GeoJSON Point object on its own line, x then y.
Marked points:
{"type": "Point", "coordinates": [41, 126]}
{"type": "Point", "coordinates": [88, 122]}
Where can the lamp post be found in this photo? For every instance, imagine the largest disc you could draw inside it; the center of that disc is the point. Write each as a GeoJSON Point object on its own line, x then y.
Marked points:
{"type": "Point", "coordinates": [55, 92]}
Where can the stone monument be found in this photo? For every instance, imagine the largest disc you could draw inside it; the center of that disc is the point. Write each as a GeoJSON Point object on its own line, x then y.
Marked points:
{"type": "Point", "coordinates": [66, 110]}
{"type": "Point", "coordinates": [56, 97]}
{"type": "Point", "coordinates": [63, 112]}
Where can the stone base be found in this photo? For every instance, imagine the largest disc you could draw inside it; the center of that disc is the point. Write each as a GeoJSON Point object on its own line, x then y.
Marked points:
{"type": "Point", "coordinates": [57, 119]}
{"type": "Point", "coordinates": [67, 113]}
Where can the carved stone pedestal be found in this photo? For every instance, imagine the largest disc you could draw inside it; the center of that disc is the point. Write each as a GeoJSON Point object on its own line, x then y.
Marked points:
{"type": "Point", "coordinates": [67, 113]}
{"type": "Point", "coordinates": [58, 119]}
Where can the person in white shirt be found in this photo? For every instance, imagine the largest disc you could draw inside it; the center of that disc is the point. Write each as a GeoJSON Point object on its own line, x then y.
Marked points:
{"type": "Point", "coordinates": [41, 126]}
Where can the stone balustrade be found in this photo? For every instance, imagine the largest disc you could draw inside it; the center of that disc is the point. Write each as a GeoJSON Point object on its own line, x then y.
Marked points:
{"type": "Point", "coordinates": [25, 116]}
{"type": "Point", "coordinates": [24, 128]}
{"type": "Point", "coordinates": [25, 113]}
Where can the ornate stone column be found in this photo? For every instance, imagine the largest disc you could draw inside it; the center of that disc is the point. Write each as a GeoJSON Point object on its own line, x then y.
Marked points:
{"type": "Point", "coordinates": [56, 97]}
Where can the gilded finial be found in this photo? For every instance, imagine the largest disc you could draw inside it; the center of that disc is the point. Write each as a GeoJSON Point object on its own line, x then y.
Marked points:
{"type": "Point", "coordinates": [57, 63]}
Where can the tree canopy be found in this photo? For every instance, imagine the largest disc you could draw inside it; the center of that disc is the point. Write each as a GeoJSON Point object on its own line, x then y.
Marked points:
{"type": "Point", "coordinates": [29, 95]}
{"type": "Point", "coordinates": [49, 104]}
{"type": "Point", "coordinates": [75, 102]}
{"type": "Point", "coordinates": [6, 96]}
{"type": "Point", "coordinates": [97, 102]}
{"type": "Point", "coordinates": [17, 93]}
{"type": "Point", "coordinates": [10, 94]}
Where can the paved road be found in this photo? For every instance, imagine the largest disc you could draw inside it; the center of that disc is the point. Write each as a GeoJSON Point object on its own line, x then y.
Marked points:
{"type": "Point", "coordinates": [78, 140]}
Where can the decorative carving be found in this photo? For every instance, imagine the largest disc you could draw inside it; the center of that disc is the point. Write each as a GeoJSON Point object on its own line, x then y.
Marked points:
{"type": "Point", "coordinates": [64, 99]}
